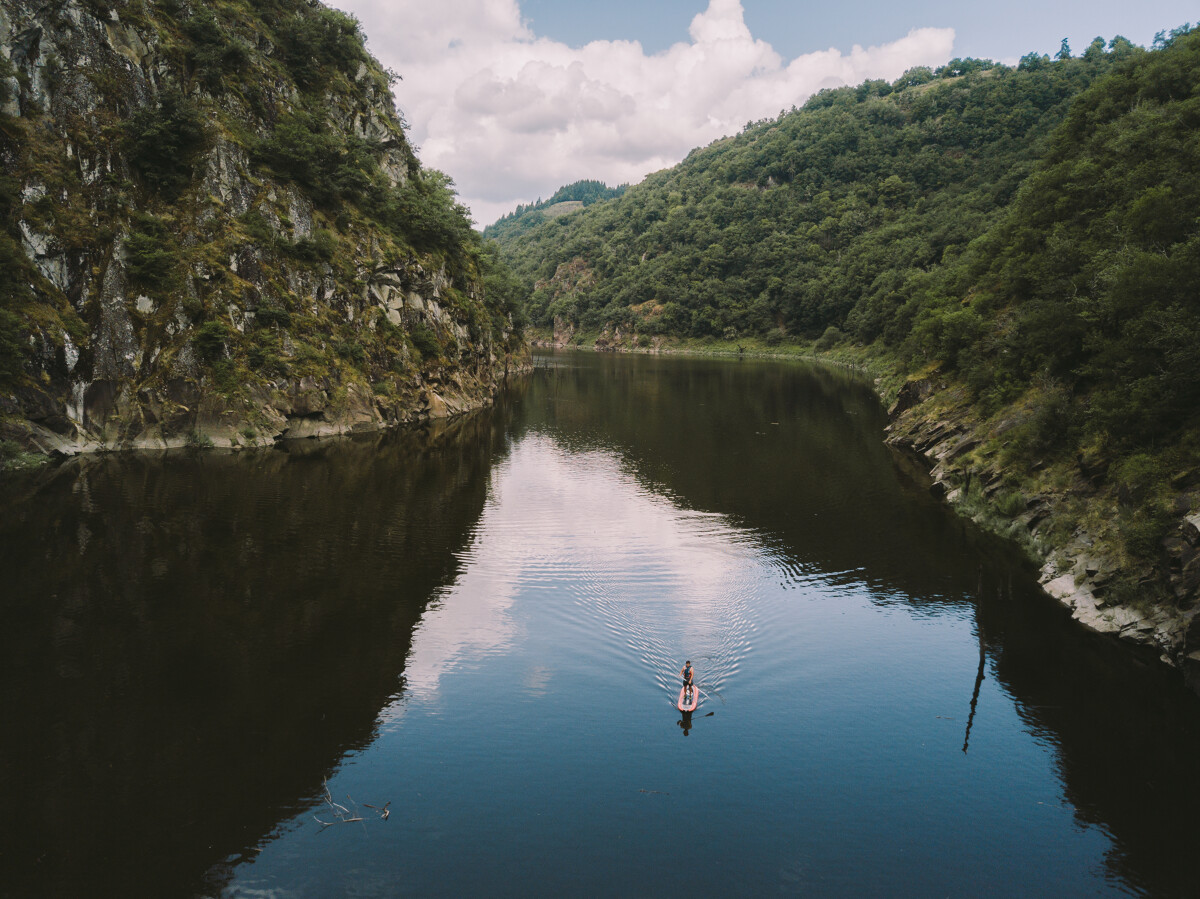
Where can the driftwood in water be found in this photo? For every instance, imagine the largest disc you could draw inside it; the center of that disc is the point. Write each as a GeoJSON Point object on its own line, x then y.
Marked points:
{"type": "Point", "coordinates": [343, 815]}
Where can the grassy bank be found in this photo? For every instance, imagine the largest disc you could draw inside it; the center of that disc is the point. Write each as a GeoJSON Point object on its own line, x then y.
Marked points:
{"type": "Point", "coordinates": [14, 458]}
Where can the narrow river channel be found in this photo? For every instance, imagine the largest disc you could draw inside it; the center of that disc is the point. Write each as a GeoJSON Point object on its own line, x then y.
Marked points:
{"type": "Point", "coordinates": [443, 662]}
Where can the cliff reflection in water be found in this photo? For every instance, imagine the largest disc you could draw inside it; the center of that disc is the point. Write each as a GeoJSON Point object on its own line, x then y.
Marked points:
{"type": "Point", "coordinates": [1125, 728]}
{"type": "Point", "coordinates": [791, 452]}
{"type": "Point", "coordinates": [190, 643]}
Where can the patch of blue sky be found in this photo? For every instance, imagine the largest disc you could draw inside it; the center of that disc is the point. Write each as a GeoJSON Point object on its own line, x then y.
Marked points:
{"type": "Point", "coordinates": [1002, 31]}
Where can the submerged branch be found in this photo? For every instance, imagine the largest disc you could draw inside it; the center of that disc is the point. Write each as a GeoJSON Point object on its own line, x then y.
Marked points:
{"type": "Point", "coordinates": [342, 814]}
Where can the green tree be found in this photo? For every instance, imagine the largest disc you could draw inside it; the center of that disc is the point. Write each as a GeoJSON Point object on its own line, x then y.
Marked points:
{"type": "Point", "coordinates": [165, 141]}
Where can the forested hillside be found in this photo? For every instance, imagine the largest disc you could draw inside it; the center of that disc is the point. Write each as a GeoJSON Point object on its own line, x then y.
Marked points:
{"type": "Point", "coordinates": [1014, 225]}
{"type": "Point", "coordinates": [1088, 283]}
{"type": "Point", "coordinates": [1027, 238]}
{"type": "Point", "coordinates": [213, 227]}
{"type": "Point", "coordinates": [815, 218]}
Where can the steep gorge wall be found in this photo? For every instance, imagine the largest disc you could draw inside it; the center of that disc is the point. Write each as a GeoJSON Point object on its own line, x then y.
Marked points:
{"type": "Point", "coordinates": [1068, 518]}
{"type": "Point", "coordinates": [216, 230]}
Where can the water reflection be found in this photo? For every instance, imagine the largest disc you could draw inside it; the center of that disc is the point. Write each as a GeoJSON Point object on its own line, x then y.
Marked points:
{"type": "Point", "coordinates": [979, 676]}
{"type": "Point", "coordinates": [792, 456]}
{"type": "Point", "coordinates": [574, 530]}
{"type": "Point", "coordinates": [1124, 731]}
{"type": "Point", "coordinates": [191, 642]}
{"type": "Point", "coordinates": [481, 625]}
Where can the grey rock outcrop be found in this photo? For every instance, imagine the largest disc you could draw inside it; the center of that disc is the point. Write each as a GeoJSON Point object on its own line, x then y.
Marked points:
{"type": "Point", "coordinates": [233, 307]}
{"type": "Point", "coordinates": [935, 422]}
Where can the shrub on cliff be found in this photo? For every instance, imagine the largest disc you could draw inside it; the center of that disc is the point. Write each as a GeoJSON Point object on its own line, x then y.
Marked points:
{"type": "Point", "coordinates": [428, 214]}
{"type": "Point", "coordinates": [163, 143]}
{"type": "Point", "coordinates": [12, 348]}
{"type": "Point", "coordinates": [215, 52]}
{"type": "Point", "coordinates": [504, 290]}
{"type": "Point", "coordinates": [320, 246]}
{"type": "Point", "coordinates": [319, 39]}
{"type": "Point", "coordinates": [152, 254]}
{"type": "Point", "coordinates": [332, 166]}
{"type": "Point", "coordinates": [14, 288]}
{"type": "Point", "coordinates": [210, 340]}
{"type": "Point", "coordinates": [425, 341]}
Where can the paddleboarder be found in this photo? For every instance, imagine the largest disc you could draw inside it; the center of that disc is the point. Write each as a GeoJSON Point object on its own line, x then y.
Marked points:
{"type": "Point", "coordinates": [686, 674]}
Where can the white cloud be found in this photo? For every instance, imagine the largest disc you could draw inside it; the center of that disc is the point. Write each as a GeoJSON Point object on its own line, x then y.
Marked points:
{"type": "Point", "coordinates": [511, 116]}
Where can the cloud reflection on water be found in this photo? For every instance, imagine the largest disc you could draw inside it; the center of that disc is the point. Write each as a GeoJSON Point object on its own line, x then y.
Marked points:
{"type": "Point", "coordinates": [631, 569]}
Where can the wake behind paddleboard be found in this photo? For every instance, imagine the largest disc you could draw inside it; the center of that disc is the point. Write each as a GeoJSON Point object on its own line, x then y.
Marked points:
{"type": "Point", "coordinates": [695, 700]}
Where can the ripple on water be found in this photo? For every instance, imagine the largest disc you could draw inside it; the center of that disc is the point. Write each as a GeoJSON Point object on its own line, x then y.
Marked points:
{"type": "Point", "coordinates": [636, 577]}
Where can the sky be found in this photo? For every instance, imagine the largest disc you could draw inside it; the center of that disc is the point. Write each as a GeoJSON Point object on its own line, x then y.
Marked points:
{"type": "Point", "coordinates": [515, 98]}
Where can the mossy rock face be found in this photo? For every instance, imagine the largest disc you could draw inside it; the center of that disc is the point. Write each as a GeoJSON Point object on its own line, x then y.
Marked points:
{"type": "Point", "coordinates": [223, 195]}
{"type": "Point", "coordinates": [1118, 541]}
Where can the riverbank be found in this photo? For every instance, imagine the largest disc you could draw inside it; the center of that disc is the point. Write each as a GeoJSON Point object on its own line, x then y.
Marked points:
{"type": "Point", "coordinates": [288, 410]}
{"type": "Point", "coordinates": [1074, 522]}
{"type": "Point", "coordinates": [1070, 516]}
{"type": "Point", "coordinates": [887, 377]}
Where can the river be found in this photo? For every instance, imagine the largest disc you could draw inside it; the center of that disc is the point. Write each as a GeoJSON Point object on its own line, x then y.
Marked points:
{"type": "Point", "coordinates": [443, 662]}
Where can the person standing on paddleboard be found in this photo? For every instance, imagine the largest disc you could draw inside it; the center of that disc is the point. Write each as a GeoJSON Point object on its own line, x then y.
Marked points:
{"type": "Point", "coordinates": [686, 674]}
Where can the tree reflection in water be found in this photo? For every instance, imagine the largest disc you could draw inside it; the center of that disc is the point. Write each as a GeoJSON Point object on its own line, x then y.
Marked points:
{"type": "Point", "coordinates": [192, 641]}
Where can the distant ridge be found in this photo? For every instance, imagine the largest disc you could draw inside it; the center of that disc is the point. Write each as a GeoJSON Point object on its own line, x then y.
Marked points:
{"type": "Point", "coordinates": [567, 199]}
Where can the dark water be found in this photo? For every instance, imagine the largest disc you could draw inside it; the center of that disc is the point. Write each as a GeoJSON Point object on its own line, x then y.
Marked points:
{"type": "Point", "coordinates": [478, 626]}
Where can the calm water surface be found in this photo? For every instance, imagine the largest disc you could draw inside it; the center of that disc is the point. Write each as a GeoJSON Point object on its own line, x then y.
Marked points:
{"type": "Point", "coordinates": [477, 626]}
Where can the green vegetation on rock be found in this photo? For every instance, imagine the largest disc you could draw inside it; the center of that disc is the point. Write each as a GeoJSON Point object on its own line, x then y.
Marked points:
{"type": "Point", "coordinates": [813, 219]}
{"type": "Point", "coordinates": [164, 143]}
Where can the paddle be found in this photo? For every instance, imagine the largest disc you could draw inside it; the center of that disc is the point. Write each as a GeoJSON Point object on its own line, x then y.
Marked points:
{"type": "Point", "coordinates": [715, 693]}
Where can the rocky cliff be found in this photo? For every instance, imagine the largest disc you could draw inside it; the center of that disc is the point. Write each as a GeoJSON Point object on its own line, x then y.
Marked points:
{"type": "Point", "coordinates": [214, 229]}
{"type": "Point", "coordinates": [1068, 516]}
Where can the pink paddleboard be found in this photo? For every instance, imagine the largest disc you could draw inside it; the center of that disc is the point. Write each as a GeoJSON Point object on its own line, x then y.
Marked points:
{"type": "Point", "coordinates": [695, 700]}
